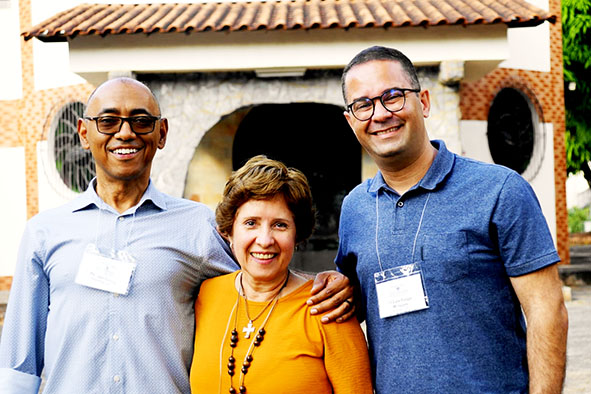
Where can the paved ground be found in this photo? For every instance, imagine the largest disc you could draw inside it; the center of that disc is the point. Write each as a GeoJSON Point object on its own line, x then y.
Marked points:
{"type": "Point", "coordinates": [578, 368]}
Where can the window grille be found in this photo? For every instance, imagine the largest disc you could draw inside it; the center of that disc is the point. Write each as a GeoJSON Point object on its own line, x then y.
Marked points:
{"type": "Point", "coordinates": [516, 132]}
{"type": "Point", "coordinates": [73, 163]}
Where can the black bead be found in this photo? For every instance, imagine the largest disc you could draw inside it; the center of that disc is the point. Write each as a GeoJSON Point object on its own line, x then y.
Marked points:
{"type": "Point", "coordinates": [260, 338]}
{"type": "Point", "coordinates": [231, 359]}
{"type": "Point", "coordinates": [246, 364]}
{"type": "Point", "coordinates": [256, 343]}
{"type": "Point", "coordinates": [231, 372]}
{"type": "Point", "coordinates": [234, 332]}
{"type": "Point", "coordinates": [232, 390]}
{"type": "Point", "coordinates": [232, 344]}
{"type": "Point", "coordinates": [262, 331]}
{"type": "Point", "coordinates": [242, 389]}
{"type": "Point", "coordinates": [231, 366]}
{"type": "Point", "coordinates": [233, 338]}
{"type": "Point", "coordinates": [244, 370]}
{"type": "Point", "coordinates": [249, 358]}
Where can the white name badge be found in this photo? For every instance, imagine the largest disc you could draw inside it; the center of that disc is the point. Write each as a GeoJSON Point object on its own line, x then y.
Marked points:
{"type": "Point", "coordinates": [103, 273]}
{"type": "Point", "coordinates": [400, 290]}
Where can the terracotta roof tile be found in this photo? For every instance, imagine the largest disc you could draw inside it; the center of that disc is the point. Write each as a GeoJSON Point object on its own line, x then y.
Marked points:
{"type": "Point", "coordinates": [295, 17]}
{"type": "Point", "coordinates": [104, 19]}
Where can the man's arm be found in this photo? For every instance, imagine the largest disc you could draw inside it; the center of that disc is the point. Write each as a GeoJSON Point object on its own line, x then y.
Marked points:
{"type": "Point", "coordinates": [22, 340]}
{"type": "Point", "coordinates": [540, 295]}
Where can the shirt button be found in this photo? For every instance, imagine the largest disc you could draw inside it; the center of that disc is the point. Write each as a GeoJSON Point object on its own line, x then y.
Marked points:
{"type": "Point", "coordinates": [116, 378]}
{"type": "Point", "coordinates": [400, 204]}
{"type": "Point", "coordinates": [121, 218]}
{"type": "Point", "coordinates": [115, 294]}
{"type": "Point", "coordinates": [115, 337]}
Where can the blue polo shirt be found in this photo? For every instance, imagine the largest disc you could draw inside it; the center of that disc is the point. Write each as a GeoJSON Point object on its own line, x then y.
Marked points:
{"type": "Point", "coordinates": [481, 225]}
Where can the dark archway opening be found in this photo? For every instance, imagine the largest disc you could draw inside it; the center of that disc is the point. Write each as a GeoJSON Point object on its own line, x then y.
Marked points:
{"type": "Point", "coordinates": [316, 139]}
{"type": "Point", "coordinates": [511, 130]}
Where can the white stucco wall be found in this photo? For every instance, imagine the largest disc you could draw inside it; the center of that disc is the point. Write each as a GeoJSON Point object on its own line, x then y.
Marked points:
{"type": "Point", "coordinates": [578, 193]}
{"type": "Point", "coordinates": [13, 200]}
{"type": "Point", "coordinates": [529, 47]}
{"type": "Point", "coordinates": [10, 67]}
{"type": "Point", "coordinates": [93, 56]}
{"type": "Point", "coordinates": [51, 60]}
{"type": "Point", "coordinates": [52, 191]}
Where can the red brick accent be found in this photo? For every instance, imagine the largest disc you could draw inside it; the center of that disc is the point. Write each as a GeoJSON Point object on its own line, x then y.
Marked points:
{"type": "Point", "coordinates": [9, 113]}
{"type": "Point", "coordinates": [545, 89]}
{"type": "Point", "coordinates": [5, 282]}
{"type": "Point", "coordinates": [27, 113]}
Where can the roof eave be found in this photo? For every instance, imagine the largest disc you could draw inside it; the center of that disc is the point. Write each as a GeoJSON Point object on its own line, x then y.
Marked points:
{"type": "Point", "coordinates": [65, 36]}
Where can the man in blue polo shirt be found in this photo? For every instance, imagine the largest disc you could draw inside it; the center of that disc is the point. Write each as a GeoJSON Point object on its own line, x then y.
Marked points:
{"type": "Point", "coordinates": [446, 251]}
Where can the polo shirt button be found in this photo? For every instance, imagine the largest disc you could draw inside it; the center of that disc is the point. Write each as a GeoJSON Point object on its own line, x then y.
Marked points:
{"type": "Point", "coordinates": [400, 204]}
{"type": "Point", "coordinates": [115, 337]}
{"type": "Point", "coordinates": [116, 378]}
{"type": "Point", "coordinates": [121, 218]}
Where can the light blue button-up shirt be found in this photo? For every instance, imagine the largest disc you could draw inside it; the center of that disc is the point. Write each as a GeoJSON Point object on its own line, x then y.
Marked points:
{"type": "Point", "coordinates": [91, 341]}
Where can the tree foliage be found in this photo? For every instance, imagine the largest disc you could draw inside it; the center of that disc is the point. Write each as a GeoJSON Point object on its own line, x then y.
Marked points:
{"type": "Point", "coordinates": [576, 219]}
{"type": "Point", "coordinates": [576, 41]}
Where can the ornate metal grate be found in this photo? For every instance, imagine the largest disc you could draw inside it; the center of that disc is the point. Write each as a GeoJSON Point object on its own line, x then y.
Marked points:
{"type": "Point", "coordinates": [73, 163]}
{"type": "Point", "coordinates": [516, 135]}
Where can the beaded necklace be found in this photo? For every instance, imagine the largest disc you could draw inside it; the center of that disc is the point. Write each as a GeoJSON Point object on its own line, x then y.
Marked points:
{"type": "Point", "coordinates": [256, 341]}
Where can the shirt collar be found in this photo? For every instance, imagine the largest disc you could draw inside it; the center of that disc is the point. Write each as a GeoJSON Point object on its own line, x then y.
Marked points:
{"type": "Point", "coordinates": [89, 197]}
{"type": "Point", "coordinates": [440, 168]}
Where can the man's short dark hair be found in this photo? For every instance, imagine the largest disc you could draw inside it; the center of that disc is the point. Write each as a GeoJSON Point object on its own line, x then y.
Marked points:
{"type": "Point", "coordinates": [382, 53]}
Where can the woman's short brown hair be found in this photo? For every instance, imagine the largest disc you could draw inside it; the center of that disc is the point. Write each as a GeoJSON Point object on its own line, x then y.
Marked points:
{"type": "Point", "coordinates": [262, 178]}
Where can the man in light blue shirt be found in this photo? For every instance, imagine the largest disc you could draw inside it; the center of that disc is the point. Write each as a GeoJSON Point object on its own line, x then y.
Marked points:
{"type": "Point", "coordinates": [103, 293]}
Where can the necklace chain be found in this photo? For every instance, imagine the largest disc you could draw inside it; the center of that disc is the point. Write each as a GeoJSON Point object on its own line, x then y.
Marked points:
{"type": "Point", "coordinates": [256, 341]}
{"type": "Point", "coordinates": [266, 306]}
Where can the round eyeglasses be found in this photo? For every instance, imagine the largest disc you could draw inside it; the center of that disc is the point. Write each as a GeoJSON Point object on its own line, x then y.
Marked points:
{"type": "Point", "coordinates": [392, 99]}
{"type": "Point", "coordinates": [111, 125]}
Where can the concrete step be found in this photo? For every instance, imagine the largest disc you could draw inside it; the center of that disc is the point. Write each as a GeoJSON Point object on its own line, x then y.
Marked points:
{"type": "Point", "coordinates": [575, 273]}
{"type": "Point", "coordinates": [578, 272]}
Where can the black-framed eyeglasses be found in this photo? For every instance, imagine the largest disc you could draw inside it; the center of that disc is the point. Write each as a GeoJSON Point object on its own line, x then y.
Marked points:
{"type": "Point", "coordinates": [111, 125]}
{"type": "Point", "coordinates": [392, 99]}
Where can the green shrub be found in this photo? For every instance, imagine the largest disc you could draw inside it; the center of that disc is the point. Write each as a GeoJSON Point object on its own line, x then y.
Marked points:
{"type": "Point", "coordinates": [576, 218]}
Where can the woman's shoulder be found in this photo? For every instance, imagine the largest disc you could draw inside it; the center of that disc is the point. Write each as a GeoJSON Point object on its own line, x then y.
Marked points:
{"type": "Point", "coordinates": [299, 287]}
{"type": "Point", "coordinates": [215, 283]}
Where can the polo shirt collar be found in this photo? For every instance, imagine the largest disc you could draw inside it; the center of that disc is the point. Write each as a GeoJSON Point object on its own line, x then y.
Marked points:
{"type": "Point", "coordinates": [89, 197]}
{"type": "Point", "coordinates": [439, 170]}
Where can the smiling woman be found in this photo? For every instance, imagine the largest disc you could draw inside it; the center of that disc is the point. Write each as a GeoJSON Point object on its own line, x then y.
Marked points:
{"type": "Point", "coordinates": [258, 317]}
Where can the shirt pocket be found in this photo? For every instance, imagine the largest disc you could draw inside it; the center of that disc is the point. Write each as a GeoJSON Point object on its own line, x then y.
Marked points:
{"type": "Point", "coordinates": [445, 257]}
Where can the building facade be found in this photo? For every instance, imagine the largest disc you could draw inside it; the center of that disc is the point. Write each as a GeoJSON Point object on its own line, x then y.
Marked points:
{"type": "Point", "coordinates": [232, 89]}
